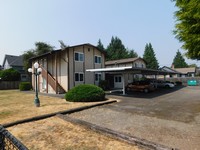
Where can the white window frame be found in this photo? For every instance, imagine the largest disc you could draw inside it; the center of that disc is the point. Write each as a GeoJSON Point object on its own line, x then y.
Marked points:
{"type": "Point", "coordinates": [79, 76]}
{"type": "Point", "coordinates": [118, 79]}
{"type": "Point", "coordinates": [99, 77]}
{"type": "Point", "coordinates": [99, 59]}
{"type": "Point", "coordinates": [79, 56]}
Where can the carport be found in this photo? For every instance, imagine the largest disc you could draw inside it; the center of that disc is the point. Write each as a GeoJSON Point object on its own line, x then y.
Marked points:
{"type": "Point", "coordinates": [133, 70]}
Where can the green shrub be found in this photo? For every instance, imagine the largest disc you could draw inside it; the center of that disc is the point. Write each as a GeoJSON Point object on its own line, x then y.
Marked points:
{"type": "Point", "coordinates": [25, 86]}
{"type": "Point", "coordinates": [85, 93]}
{"type": "Point", "coordinates": [10, 75]}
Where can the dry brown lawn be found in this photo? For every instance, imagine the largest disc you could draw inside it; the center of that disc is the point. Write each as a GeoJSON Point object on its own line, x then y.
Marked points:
{"type": "Point", "coordinates": [16, 105]}
{"type": "Point", "coordinates": [56, 134]}
{"type": "Point", "coordinates": [52, 133]}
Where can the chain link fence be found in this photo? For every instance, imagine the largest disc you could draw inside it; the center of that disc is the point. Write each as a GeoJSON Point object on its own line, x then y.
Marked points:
{"type": "Point", "coordinates": [9, 142]}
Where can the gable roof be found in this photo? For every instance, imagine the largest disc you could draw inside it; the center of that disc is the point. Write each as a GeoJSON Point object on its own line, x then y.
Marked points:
{"type": "Point", "coordinates": [165, 68]}
{"type": "Point", "coordinates": [13, 60]}
{"type": "Point", "coordinates": [67, 48]}
{"type": "Point", "coordinates": [186, 70]}
{"type": "Point", "coordinates": [179, 70]}
{"type": "Point", "coordinates": [121, 61]}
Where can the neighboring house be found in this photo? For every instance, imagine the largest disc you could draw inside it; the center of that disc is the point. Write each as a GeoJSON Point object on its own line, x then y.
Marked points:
{"type": "Point", "coordinates": [186, 72]}
{"type": "Point", "coordinates": [181, 72]}
{"type": "Point", "coordinates": [15, 62]}
{"type": "Point", "coordinates": [115, 80]}
{"type": "Point", "coordinates": [65, 68]}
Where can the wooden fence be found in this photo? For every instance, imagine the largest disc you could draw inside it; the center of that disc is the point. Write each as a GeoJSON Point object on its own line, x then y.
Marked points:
{"type": "Point", "coordinates": [6, 85]}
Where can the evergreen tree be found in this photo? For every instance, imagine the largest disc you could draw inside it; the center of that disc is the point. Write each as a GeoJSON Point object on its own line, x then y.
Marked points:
{"type": "Point", "coordinates": [179, 61]}
{"type": "Point", "coordinates": [116, 50]}
{"type": "Point", "coordinates": [188, 26]}
{"type": "Point", "coordinates": [26, 56]}
{"type": "Point", "coordinates": [100, 45]}
{"type": "Point", "coordinates": [132, 54]}
{"type": "Point", "coordinates": [150, 57]}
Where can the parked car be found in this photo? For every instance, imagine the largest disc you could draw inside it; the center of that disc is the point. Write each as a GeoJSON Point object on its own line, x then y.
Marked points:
{"type": "Point", "coordinates": [163, 84]}
{"type": "Point", "coordinates": [143, 86]}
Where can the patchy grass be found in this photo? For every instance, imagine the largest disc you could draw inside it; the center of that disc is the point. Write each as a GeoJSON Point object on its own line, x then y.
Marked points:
{"type": "Point", "coordinates": [55, 133]}
{"type": "Point", "coordinates": [16, 105]}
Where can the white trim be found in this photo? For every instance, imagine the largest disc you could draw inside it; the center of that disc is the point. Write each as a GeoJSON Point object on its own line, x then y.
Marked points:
{"type": "Point", "coordinates": [78, 56]}
{"type": "Point", "coordinates": [98, 56]}
{"type": "Point", "coordinates": [109, 69]}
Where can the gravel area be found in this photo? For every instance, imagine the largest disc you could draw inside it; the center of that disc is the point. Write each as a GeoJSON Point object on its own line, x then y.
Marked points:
{"type": "Point", "coordinates": [169, 133]}
{"type": "Point", "coordinates": [179, 132]}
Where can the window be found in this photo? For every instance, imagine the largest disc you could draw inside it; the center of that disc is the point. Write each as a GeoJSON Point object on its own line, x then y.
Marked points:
{"type": "Point", "coordinates": [79, 56]}
{"type": "Point", "coordinates": [97, 59]}
{"type": "Point", "coordinates": [78, 77]}
{"type": "Point", "coordinates": [97, 77]}
{"type": "Point", "coordinates": [118, 79]}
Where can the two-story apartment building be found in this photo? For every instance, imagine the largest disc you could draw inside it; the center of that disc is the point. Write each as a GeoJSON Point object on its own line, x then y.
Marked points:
{"type": "Point", "coordinates": [64, 69]}
{"type": "Point", "coordinates": [115, 80]}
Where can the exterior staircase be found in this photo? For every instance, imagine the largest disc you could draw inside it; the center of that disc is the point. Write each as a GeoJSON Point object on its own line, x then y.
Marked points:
{"type": "Point", "coordinates": [52, 81]}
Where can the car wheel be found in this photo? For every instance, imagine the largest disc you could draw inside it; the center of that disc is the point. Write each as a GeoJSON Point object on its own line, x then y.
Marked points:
{"type": "Point", "coordinates": [146, 90]}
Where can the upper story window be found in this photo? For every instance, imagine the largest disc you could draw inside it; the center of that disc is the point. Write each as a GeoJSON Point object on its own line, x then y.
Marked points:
{"type": "Point", "coordinates": [79, 56]}
{"type": "Point", "coordinates": [97, 59]}
{"type": "Point", "coordinates": [136, 65]}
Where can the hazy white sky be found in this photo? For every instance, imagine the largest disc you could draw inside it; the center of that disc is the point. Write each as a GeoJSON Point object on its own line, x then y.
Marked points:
{"type": "Point", "coordinates": [23, 22]}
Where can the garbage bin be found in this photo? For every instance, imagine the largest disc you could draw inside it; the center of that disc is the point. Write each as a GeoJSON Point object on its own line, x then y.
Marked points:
{"type": "Point", "coordinates": [192, 82]}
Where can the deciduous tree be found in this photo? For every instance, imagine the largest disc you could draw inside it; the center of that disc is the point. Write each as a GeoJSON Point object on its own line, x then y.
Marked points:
{"type": "Point", "coordinates": [187, 29]}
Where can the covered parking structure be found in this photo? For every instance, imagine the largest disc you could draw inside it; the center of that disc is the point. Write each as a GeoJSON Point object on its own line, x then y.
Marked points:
{"type": "Point", "coordinates": [131, 70]}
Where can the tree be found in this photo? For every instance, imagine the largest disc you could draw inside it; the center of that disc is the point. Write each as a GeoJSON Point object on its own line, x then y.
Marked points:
{"type": "Point", "coordinates": [192, 65]}
{"type": "Point", "coordinates": [150, 57]}
{"type": "Point", "coordinates": [100, 45]}
{"type": "Point", "coordinates": [26, 56]}
{"type": "Point", "coordinates": [41, 48]}
{"type": "Point", "coordinates": [62, 44]}
{"type": "Point", "coordinates": [187, 28]}
{"type": "Point", "coordinates": [116, 50]}
{"type": "Point", "coordinates": [132, 54]}
{"type": "Point", "coordinates": [179, 61]}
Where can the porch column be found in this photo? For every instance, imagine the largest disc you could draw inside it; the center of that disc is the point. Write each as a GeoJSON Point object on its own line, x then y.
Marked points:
{"type": "Point", "coordinates": [123, 83]}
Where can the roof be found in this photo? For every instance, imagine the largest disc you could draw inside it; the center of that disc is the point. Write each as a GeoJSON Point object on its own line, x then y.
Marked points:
{"type": "Point", "coordinates": [186, 70]}
{"type": "Point", "coordinates": [121, 61]}
{"type": "Point", "coordinates": [165, 68]}
{"type": "Point", "coordinates": [56, 51]}
{"type": "Point", "coordinates": [134, 70]}
{"type": "Point", "coordinates": [13, 60]}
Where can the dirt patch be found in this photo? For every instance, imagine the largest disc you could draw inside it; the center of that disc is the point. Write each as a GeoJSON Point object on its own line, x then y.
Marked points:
{"type": "Point", "coordinates": [54, 133]}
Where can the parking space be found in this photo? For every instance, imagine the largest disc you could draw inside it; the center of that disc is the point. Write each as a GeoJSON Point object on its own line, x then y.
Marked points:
{"type": "Point", "coordinates": [169, 117]}
{"type": "Point", "coordinates": [179, 103]}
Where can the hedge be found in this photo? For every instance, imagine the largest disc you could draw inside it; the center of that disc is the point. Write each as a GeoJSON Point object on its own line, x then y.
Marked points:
{"type": "Point", "coordinates": [85, 93]}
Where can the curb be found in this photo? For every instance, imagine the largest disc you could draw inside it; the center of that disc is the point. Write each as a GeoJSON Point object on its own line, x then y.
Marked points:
{"type": "Point", "coordinates": [53, 114]}
{"type": "Point", "coordinates": [117, 135]}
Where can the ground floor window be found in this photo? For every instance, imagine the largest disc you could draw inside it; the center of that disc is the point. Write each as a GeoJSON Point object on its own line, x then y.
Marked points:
{"type": "Point", "coordinates": [97, 77]}
{"type": "Point", "coordinates": [78, 76]}
{"type": "Point", "coordinates": [118, 79]}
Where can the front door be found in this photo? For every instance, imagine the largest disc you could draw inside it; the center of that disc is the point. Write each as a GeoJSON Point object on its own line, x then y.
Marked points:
{"type": "Point", "coordinates": [118, 81]}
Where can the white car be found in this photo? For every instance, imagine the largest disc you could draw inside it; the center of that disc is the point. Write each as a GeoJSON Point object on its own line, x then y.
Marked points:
{"type": "Point", "coordinates": [166, 84]}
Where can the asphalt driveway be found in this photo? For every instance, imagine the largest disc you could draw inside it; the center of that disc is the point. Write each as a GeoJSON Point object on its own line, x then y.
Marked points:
{"type": "Point", "coordinates": [169, 117]}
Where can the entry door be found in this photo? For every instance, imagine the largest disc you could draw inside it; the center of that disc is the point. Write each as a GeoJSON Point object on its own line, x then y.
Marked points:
{"type": "Point", "coordinates": [118, 81]}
